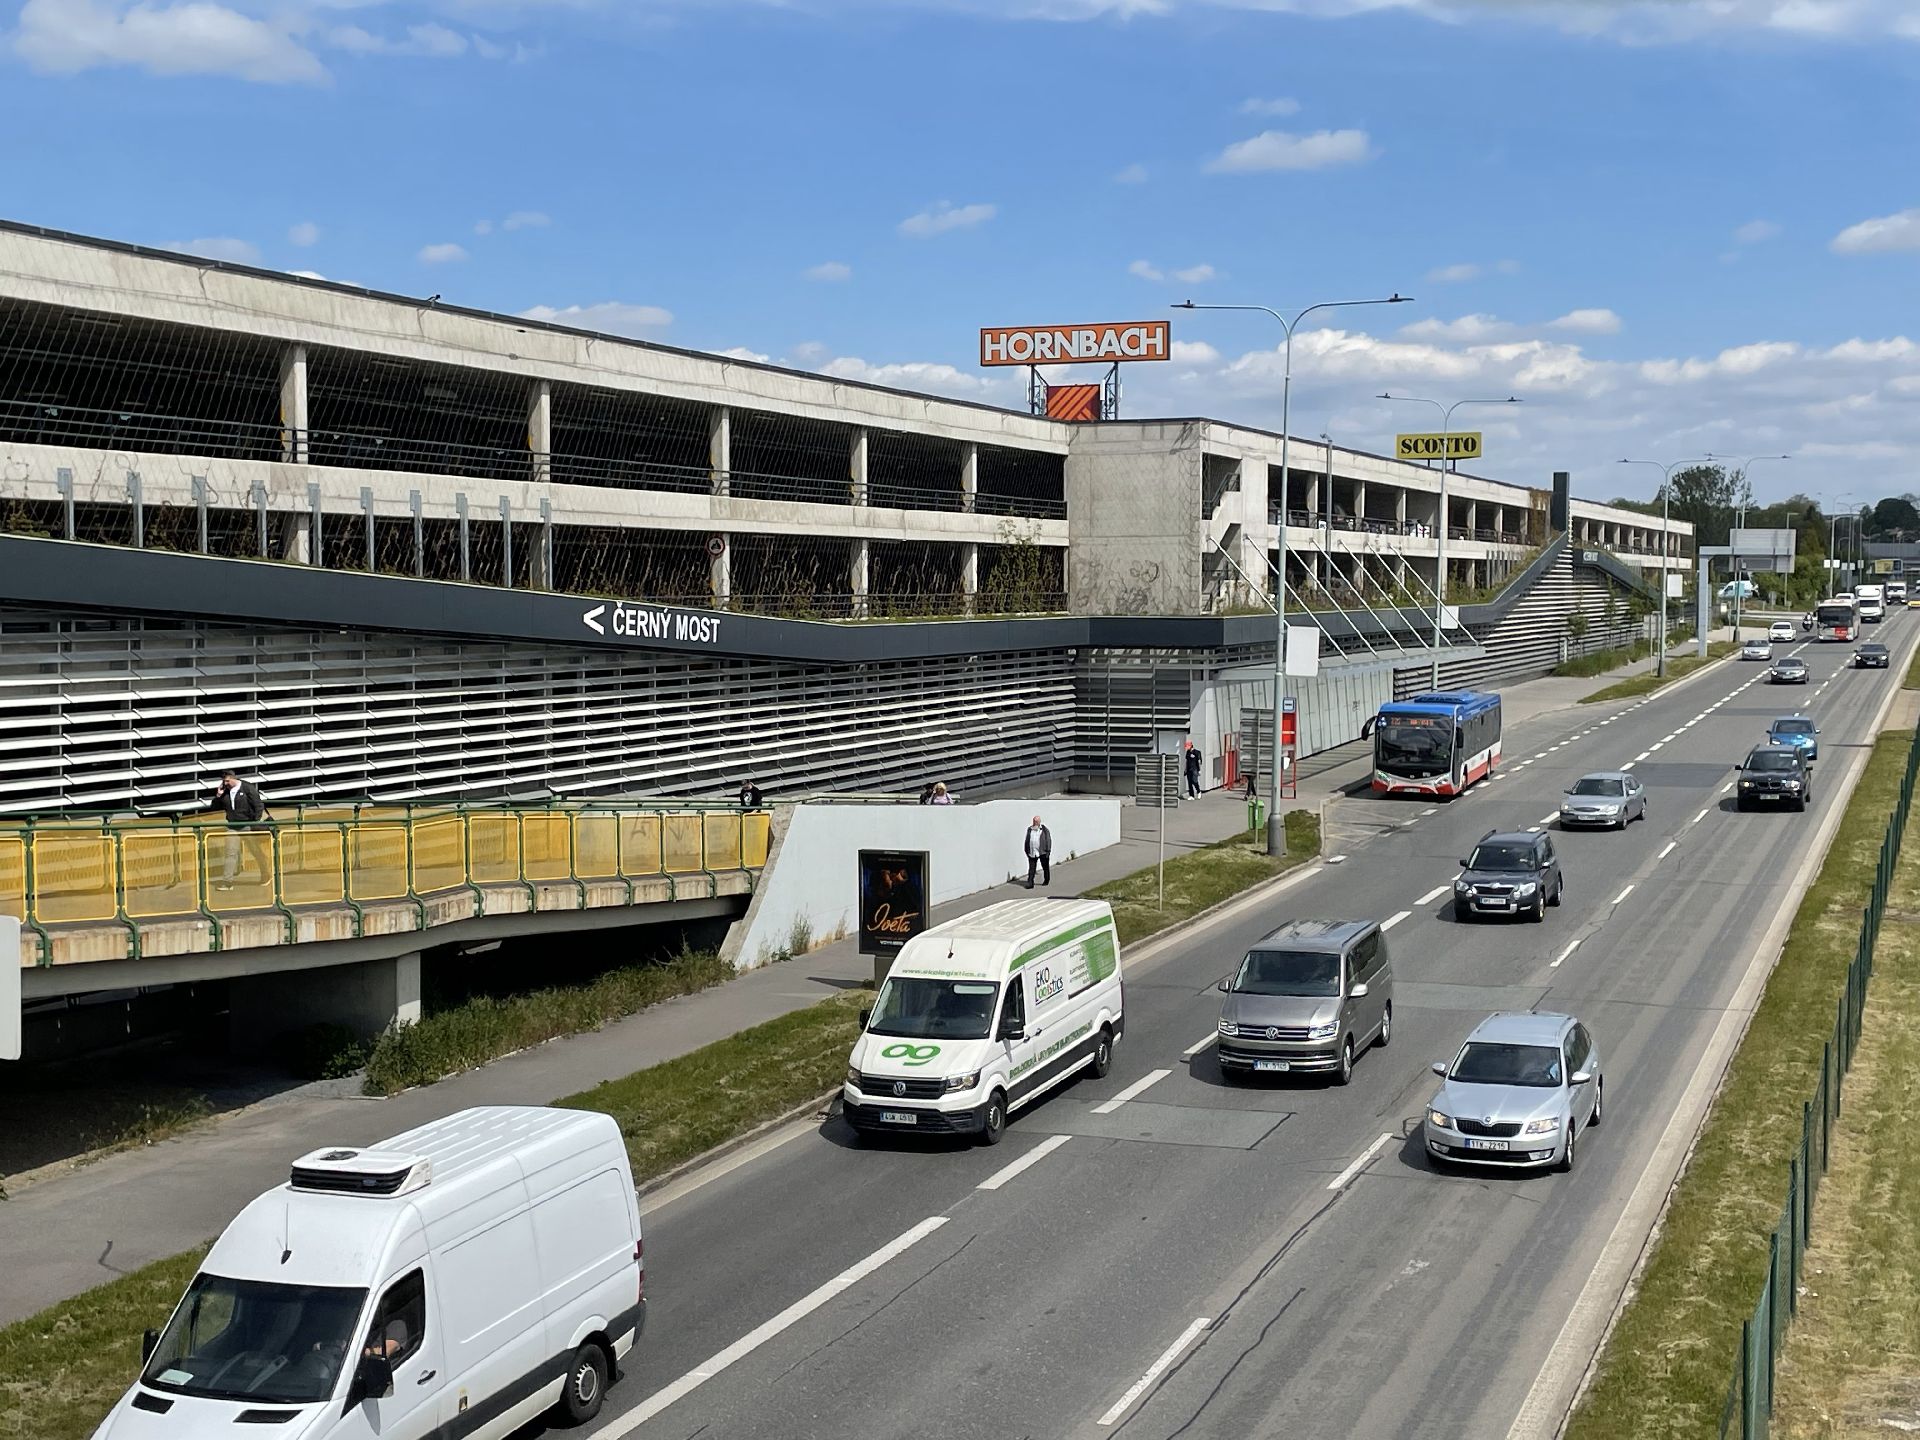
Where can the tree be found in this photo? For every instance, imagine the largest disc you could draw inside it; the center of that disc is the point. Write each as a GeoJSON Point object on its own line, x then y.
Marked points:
{"type": "Point", "coordinates": [1894, 517]}
{"type": "Point", "coordinates": [1706, 497]}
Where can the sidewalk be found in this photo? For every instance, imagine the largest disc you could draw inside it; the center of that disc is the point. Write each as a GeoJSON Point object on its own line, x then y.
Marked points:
{"type": "Point", "coordinates": [72, 1229]}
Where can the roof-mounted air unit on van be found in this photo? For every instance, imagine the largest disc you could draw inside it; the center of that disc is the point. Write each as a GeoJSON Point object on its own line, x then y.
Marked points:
{"type": "Point", "coordinates": [342, 1171]}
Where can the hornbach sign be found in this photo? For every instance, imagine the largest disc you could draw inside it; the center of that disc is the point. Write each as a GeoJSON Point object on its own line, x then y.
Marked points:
{"type": "Point", "coordinates": [1076, 344]}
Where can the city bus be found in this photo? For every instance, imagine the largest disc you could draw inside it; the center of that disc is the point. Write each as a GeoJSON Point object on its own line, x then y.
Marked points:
{"type": "Point", "coordinates": [1837, 619]}
{"type": "Point", "coordinates": [1435, 744]}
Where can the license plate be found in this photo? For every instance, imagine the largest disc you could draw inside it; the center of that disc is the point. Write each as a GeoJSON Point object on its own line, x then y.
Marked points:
{"type": "Point", "coordinates": [904, 1117]}
{"type": "Point", "coordinates": [1487, 1145]}
{"type": "Point", "coordinates": [1272, 1065]}
{"type": "Point", "coordinates": [1496, 904]}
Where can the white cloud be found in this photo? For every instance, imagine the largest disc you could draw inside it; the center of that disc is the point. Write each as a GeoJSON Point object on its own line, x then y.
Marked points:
{"type": "Point", "coordinates": [1589, 322]}
{"type": "Point", "coordinates": [483, 227]}
{"type": "Point", "coordinates": [1755, 231]}
{"type": "Point", "coordinates": [1132, 175]}
{"type": "Point", "coordinates": [1194, 274]}
{"type": "Point", "coordinates": [219, 247]}
{"type": "Point", "coordinates": [1188, 275]}
{"type": "Point", "coordinates": [1454, 274]}
{"type": "Point", "coordinates": [441, 254]}
{"type": "Point", "coordinates": [1146, 270]}
{"type": "Point", "coordinates": [1888, 232]}
{"type": "Point", "coordinates": [611, 317]}
{"type": "Point", "coordinates": [1467, 329]}
{"type": "Point", "coordinates": [1194, 352]}
{"type": "Point", "coordinates": [1507, 267]}
{"type": "Point", "coordinates": [304, 234]}
{"type": "Point", "coordinates": [431, 40]}
{"type": "Point", "coordinates": [939, 219]}
{"type": "Point", "coordinates": [1278, 108]}
{"type": "Point", "coordinates": [740, 352]}
{"type": "Point", "coordinates": [1280, 150]}
{"type": "Point", "coordinates": [526, 220]}
{"type": "Point", "coordinates": [306, 274]}
{"type": "Point", "coordinates": [830, 271]}
{"type": "Point", "coordinates": [910, 375]}
{"type": "Point", "coordinates": [195, 37]}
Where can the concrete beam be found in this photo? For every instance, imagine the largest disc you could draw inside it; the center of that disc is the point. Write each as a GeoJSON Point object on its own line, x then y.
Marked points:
{"type": "Point", "coordinates": [365, 999]}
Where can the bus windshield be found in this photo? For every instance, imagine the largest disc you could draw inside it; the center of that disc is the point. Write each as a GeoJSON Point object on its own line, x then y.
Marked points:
{"type": "Point", "coordinates": [1834, 614]}
{"type": "Point", "coordinates": [1414, 745]}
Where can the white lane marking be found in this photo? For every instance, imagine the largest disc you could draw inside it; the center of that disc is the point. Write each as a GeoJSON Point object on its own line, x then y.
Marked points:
{"type": "Point", "coordinates": [1167, 1357]}
{"type": "Point", "coordinates": [1429, 812]}
{"type": "Point", "coordinates": [1025, 1162]}
{"type": "Point", "coordinates": [1525, 763]}
{"type": "Point", "coordinates": [1552, 748]}
{"type": "Point", "coordinates": [754, 1339]}
{"type": "Point", "coordinates": [1139, 1087]}
{"type": "Point", "coordinates": [1655, 746]}
{"type": "Point", "coordinates": [1563, 955]}
{"type": "Point", "coordinates": [1339, 1181]}
{"type": "Point", "coordinates": [1623, 895]}
{"type": "Point", "coordinates": [1432, 895]}
{"type": "Point", "coordinates": [1671, 846]}
{"type": "Point", "coordinates": [1549, 819]}
{"type": "Point", "coordinates": [1533, 829]}
{"type": "Point", "coordinates": [1698, 818]}
{"type": "Point", "coordinates": [1198, 1046]}
{"type": "Point", "coordinates": [1394, 919]}
{"type": "Point", "coordinates": [1726, 789]}
{"type": "Point", "coordinates": [1541, 756]}
{"type": "Point", "coordinates": [1642, 755]}
{"type": "Point", "coordinates": [1630, 764]}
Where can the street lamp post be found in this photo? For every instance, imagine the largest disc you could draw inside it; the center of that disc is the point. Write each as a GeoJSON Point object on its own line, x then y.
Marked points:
{"type": "Point", "coordinates": [1440, 531]}
{"type": "Point", "coordinates": [1276, 834]}
{"type": "Point", "coordinates": [1666, 548]}
{"type": "Point", "coordinates": [1744, 466]}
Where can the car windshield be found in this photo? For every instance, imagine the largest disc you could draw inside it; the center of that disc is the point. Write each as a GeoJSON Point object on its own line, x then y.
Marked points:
{"type": "Point", "coordinates": [256, 1340]}
{"type": "Point", "coordinates": [934, 1009]}
{"type": "Point", "coordinates": [1484, 1062]}
{"type": "Point", "coordinates": [1501, 857]}
{"type": "Point", "coordinates": [1790, 662]}
{"type": "Point", "coordinates": [1793, 727]}
{"type": "Point", "coordinates": [1598, 785]}
{"type": "Point", "coordinates": [1288, 972]}
{"type": "Point", "coordinates": [1873, 649]}
{"type": "Point", "coordinates": [1771, 760]}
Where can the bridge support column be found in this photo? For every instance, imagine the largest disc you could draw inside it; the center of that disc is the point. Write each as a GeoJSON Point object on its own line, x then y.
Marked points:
{"type": "Point", "coordinates": [365, 998]}
{"type": "Point", "coordinates": [970, 575]}
{"type": "Point", "coordinates": [540, 430]}
{"type": "Point", "coordinates": [970, 479]}
{"type": "Point", "coordinates": [857, 468]}
{"type": "Point", "coordinates": [857, 574]}
{"type": "Point", "coordinates": [293, 404]}
{"type": "Point", "coordinates": [720, 574]}
{"type": "Point", "coordinates": [720, 449]}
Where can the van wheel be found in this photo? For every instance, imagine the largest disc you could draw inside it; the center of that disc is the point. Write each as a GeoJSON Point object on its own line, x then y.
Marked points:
{"type": "Point", "coordinates": [1385, 1037]}
{"type": "Point", "coordinates": [1103, 1054]}
{"type": "Point", "coordinates": [993, 1121]}
{"type": "Point", "coordinates": [1344, 1075]}
{"type": "Point", "coordinates": [586, 1385]}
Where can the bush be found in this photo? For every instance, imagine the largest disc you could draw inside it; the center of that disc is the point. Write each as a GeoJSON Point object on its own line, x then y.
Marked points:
{"type": "Point", "coordinates": [326, 1051]}
{"type": "Point", "coordinates": [1303, 833]}
{"type": "Point", "coordinates": [1599, 662]}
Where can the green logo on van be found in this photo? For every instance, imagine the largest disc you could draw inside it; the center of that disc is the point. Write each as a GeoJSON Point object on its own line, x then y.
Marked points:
{"type": "Point", "coordinates": [910, 1054]}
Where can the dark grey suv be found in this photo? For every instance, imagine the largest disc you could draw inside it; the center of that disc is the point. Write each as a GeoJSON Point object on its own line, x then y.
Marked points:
{"type": "Point", "coordinates": [1774, 775]}
{"type": "Point", "coordinates": [1509, 874]}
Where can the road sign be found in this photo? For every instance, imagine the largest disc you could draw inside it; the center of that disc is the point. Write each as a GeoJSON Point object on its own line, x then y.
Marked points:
{"type": "Point", "coordinates": [1156, 781]}
{"type": "Point", "coordinates": [1463, 445]}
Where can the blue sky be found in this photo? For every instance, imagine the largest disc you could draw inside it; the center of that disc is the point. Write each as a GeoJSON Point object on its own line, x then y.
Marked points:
{"type": "Point", "coordinates": [1670, 227]}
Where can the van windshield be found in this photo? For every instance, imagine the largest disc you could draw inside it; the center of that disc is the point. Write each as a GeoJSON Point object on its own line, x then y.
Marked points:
{"type": "Point", "coordinates": [256, 1340]}
{"type": "Point", "coordinates": [934, 1009]}
{"type": "Point", "coordinates": [1289, 972]}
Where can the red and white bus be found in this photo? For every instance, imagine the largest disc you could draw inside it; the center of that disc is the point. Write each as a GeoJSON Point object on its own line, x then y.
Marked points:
{"type": "Point", "coordinates": [1837, 619]}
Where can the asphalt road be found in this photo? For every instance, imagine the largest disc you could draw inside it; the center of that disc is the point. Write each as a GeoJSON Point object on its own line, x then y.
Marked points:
{"type": "Point", "coordinates": [1273, 1257]}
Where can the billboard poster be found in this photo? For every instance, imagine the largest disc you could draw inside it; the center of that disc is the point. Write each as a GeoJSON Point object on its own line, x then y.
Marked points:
{"type": "Point", "coordinates": [895, 896]}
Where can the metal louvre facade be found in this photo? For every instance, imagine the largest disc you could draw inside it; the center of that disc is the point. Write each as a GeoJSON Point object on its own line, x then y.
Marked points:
{"type": "Point", "coordinates": [133, 712]}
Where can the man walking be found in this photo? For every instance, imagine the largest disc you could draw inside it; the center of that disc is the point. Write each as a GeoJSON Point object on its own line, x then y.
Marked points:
{"type": "Point", "coordinates": [240, 802]}
{"type": "Point", "coordinates": [1039, 853]}
{"type": "Point", "coordinates": [750, 797]}
{"type": "Point", "coordinates": [1193, 771]}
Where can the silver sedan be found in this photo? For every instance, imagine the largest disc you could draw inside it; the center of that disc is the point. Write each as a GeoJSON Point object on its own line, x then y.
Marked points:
{"type": "Point", "coordinates": [1519, 1094]}
{"type": "Point", "coordinates": [1606, 797]}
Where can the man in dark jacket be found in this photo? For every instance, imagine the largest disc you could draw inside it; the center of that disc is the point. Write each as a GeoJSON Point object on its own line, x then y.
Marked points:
{"type": "Point", "coordinates": [1193, 771]}
{"type": "Point", "coordinates": [1039, 853]}
{"type": "Point", "coordinates": [750, 797]}
{"type": "Point", "coordinates": [245, 811]}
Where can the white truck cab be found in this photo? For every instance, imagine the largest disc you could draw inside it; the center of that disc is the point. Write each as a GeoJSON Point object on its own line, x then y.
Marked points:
{"type": "Point", "coordinates": [985, 1014]}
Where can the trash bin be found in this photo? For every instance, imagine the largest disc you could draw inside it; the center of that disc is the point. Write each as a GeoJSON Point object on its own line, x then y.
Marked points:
{"type": "Point", "coordinates": [1256, 815]}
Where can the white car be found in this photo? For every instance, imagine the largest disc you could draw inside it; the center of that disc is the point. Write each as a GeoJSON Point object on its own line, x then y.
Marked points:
{"type": "Point", "coordinates": [1780, 630]}
{"type": "Point", "coordinates": [1756, 650]}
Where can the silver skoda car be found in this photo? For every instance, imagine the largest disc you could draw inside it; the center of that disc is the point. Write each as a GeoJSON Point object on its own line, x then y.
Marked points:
{"type": "Point", "coordinates": [1519, 1093]}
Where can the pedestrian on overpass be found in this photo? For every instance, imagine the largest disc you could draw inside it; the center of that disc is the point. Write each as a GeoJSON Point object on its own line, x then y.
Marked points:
{"type": "Point", "coordinates": [750, 798]}
{"type": "Point", "coordinates": [1039, 852]}
{"type": "Point", "coordinates": [240, 802]}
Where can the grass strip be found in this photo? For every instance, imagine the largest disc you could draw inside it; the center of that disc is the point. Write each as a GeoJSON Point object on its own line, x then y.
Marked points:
{"type": "Point", "coordinates": [1665, 1369]}
{"type": "Point", "coordinates": [1200, 879]}
{"type": "Point", "coordinates": [1599, 662]}
{"type": "Point", "coordinates": [1635, 686]}
{"type": "Point", "coordinates": [486, 1027]}
{"type": "Point", "coordinates": [1853, 1350]}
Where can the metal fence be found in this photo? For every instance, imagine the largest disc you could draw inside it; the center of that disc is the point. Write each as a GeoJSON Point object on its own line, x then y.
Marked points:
{"type": "Point", "coordinates": [1749, 1407]}
{"type": "Point", "coordinates": [131, 870]}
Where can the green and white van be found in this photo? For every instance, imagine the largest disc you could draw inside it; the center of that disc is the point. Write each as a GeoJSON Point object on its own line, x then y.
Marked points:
{"type": "Point", "coordinates": [985, 1014]}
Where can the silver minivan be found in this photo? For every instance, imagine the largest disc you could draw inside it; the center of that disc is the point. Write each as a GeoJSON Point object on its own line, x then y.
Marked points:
{"type": "Point", "coordinates": [1310, 996]}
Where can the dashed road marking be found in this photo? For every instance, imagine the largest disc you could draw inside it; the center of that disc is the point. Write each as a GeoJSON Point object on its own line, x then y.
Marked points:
{"type": "Point", "coordinates": [1701, 816]}
{"type": "Point", "coordinates": [1671, 845]}
{"type": "Point", "coordinates": [1394, 919]}
{"type": "Point", "coordinates": [1195, 1049]}
{"type": "Point", "coordinates": [1433, 895]}
{"type": "Point", "coordinates": [1024, 1163]}
{"type": "Point", "coordinates": [1154, 1371]}
{"type": "Point", "coordinates": [1623, 895]}
{"type": "Point", "coordinates": [1339, 1181]}
{"type": "Point", "coordinates": [1560, 959]}
{"type": "Point", "coordinates": [1139, 1087]}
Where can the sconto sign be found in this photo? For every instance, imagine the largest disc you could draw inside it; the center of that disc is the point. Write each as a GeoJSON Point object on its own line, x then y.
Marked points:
{"type": "Point", "coordinates": [1463, 445]}
{"type": "Point", "coordinates": [1076, 344]}
{"type": "Point", "coordinates": [650, 622]}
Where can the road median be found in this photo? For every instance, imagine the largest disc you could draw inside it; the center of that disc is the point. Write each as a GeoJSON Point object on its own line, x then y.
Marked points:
{"type": "Point", "coordinates": [1678, 668]}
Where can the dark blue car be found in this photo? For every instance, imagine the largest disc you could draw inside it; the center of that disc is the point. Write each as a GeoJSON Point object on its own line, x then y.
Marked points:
{"type": "Point", "coordinates": [1797, 731]}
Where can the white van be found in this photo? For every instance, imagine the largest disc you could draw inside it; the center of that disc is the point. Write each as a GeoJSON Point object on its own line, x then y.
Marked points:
{"type": "Point", "coordinates": [459, 1279]}
{"type": "Point", "coordinates": [985, 1014]}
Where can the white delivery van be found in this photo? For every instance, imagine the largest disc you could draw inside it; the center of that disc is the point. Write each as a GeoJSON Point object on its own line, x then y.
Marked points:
{"type": "Point", "coordinates": [985, 1014]}
{"type": "Point", "coordinates": [459, 1279]}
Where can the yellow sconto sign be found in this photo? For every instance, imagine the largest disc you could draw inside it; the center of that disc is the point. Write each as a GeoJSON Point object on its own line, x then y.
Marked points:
{"type": "Point", "coordinates": [1463, 445]}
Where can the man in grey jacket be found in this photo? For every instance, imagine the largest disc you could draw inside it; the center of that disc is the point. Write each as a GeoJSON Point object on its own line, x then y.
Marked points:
{"type": "Point", "coordinates": [1039, 853]}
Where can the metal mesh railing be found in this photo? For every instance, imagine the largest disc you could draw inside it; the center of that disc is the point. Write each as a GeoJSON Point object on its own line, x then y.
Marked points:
{"type": "Point", "coordinates": [130, 869]}
{"type": "Point", "coordinates": [1748, 1410]}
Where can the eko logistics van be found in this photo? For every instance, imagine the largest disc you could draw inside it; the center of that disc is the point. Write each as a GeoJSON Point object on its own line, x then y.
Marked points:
{"type": "Point", "coordinates": [985, 1014]}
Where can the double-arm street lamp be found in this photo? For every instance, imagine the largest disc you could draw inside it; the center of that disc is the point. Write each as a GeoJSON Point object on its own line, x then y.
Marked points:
{"type": "Point", "coordinates": [1741, 467]}
{"type": "Point", "coordinates": [1276, 835]}
{"type": "Point", "coordinates": [1666, 548]}
{"type": "Point", "coordinates": [1440, 530]}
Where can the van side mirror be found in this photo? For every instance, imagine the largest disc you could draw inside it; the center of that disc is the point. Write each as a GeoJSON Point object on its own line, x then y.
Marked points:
{"type": "Point", "coordinates": [865, 1016]}
{"type": "Point", "coordinates": [1464, 862]}
{"type": "Point", "coordinates": [372, 1380]}
{"type": "Point", "coordinates": [1011, 1029]}
{"type": "Point", "coordinates": [149, 1343]}
{"type": "Point", "coordinates": [1358, 992]}
{"type": "Point", "coordinates": [1226, 985]}
{"type": "Point", "coordinates": [1440, 1068]}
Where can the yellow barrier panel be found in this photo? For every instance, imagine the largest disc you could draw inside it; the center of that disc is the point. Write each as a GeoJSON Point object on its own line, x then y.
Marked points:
{"type": "Point", "coordinates": [73, 878]}
{"type": "Point", "coordinates": [494, 839]}
{"type": "Point", "coordinates": [543, 842]}
{"type": "Point", "coordinates": [377, 860]}
{"type": "Point", "coordinates": [759, 835]}
{"type": "Point", "coordinates": [596, 846]}
{"type": "Point", "coordinates": [239, 868]}
{"type": "Point", "coordinates": [313, 864]}
{"type": "Point", "coordinates": [723, 841]}
{"type": "Point", "coordinates": [682, 841]}
{"type": "Point", "coordinates": [160, 873]}
{"type": "Point", "coordinates": [439, 858]}
{"type": "Point", "coordinates": [640, 845]}
{"type": "Point", "coordinates": [13, 876]}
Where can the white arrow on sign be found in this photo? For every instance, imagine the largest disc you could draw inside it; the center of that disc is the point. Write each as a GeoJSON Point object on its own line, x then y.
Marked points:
{"type": "Point", "coordinates": [592, 617]}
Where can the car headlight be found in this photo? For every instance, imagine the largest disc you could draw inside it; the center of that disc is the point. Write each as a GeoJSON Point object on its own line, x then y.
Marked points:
{"type": "Point", "coordinates": [1793, 784]}
{"type": "Point", "coordinates": [1525, 887]}
{"type": "Point", "coordinates": [1462, 887]}
{"type": "Point", "coordinates": [1229, 1029]}
{"type": "Point", "coordinates": [962, 1082]}
{"type": "Point", "coordinates": [1440, 1118]}
{"type": "Point", "coordinates": [853, 1074]}
{"type": "Point", "coordinates": [1746, 784]}
{"type": "Point", "coordinates": [1542, 1127]}
{"type": "Point", "coordinates": [1324, 1032]}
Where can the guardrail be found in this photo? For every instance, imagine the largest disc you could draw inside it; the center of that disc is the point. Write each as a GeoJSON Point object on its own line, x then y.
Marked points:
{"type": "Point", "coordinates": [1749, 1407]}
{"type": "Point", "coordinates": [133, 871]}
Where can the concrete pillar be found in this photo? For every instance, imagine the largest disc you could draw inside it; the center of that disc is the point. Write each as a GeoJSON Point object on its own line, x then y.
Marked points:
{"type": "Point", "coordinates": [857, 468]}
{"type": "Point", "coordinates": [1473, 518]}
{"type": "Point", "coordinates": [365, 998]}
{"type": "Point", "coordinates": [970, 572]}
{"type": "Point", "coordinates": [857, 579]}
{"type": "Point", "coordinates": [720, 449]}
{"type": "Point", "coordinates": [720, 577]}
{"type": "Point", "coordinates": [540, 563]}
{"type": "Point", "coordinates": [1400, 508]}
{"type": "Point", "coordinates": [970, 482]}
{"type": "Point", "coordinates": [293, 404]}
{"type": "Point", "coordinates": [540, 429]}
{"type": "Point", "coordinates": [296, 538]}
{"type": "Point", "coordinates": [1360, 502]}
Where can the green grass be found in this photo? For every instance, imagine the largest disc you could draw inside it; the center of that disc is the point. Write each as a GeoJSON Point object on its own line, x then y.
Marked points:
{"type": "Point", "coordinates": [1665, 1369]}
{"type": "Point", "coordinates": [1599, 662]}
{"type": "Point", "coordinates": [1638, 685]}
{"type": "Point", "coordinates": [675, 1111]}
{"type": "Point", "coordinates": [1203, 878]}
{"type": "Point", "coordinates": [486, 1027]}
{"type": "Point", "coordinates": [1912, 682]}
